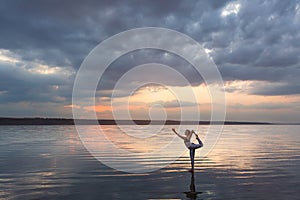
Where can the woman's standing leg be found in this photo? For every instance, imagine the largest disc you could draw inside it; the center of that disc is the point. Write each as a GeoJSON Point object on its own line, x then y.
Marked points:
{"type": "Point", "coordinates": [192, 157]}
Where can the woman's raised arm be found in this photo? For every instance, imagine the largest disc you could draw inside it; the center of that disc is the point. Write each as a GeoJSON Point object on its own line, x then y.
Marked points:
{"type": "Point", "coordinates": [173, 129]}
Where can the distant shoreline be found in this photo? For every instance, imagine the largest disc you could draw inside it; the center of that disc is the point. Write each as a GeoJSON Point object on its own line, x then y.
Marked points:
{"type": "Point", "coordinates": [66, 121]}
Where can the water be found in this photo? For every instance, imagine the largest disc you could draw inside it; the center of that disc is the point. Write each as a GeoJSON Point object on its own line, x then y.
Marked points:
{"type": "Point", "coordinates": [248, 162]}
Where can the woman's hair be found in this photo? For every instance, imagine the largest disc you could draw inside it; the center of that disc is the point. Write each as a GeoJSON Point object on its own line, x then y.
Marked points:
{"type": "Point", "coordinates": [187, 131]}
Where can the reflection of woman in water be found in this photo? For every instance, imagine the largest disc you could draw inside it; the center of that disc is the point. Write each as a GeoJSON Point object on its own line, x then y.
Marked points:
{"type": "Point", "coordinates": [192, 194]}
{"type": "Point", "coordinates": [191, 146]}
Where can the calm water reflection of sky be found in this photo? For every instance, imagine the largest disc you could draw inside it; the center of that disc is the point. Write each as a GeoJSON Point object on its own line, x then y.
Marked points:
{"type": "Point", "coordinates": [49, 162]}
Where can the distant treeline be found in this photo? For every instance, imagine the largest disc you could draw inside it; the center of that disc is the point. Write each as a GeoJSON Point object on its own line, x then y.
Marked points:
{"type": "Point", "coordinates": [64, 121]}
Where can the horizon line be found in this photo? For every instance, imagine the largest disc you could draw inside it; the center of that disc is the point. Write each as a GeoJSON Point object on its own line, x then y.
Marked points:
{"type": "Point", "coordinates": [70, 121]}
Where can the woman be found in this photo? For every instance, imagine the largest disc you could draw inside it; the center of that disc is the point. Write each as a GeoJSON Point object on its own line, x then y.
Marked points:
{"type": "Point", "coordinates": [191, 146]}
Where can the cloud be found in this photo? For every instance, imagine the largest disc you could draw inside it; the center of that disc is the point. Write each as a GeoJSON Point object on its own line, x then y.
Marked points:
{"type": "Point", "coordinates": [22, 81]}
{"type": "Point", "coordinates": [34, 109]}
{"type": "Point", "coordinates": [62, 32]}
{"type": "Point", "coordinates": [266, 106]}
{"type": "Point", "coordinates": [175, 104]}
{"type": "Point", "coordinates": [140, 58]}
{"type": "Point", "coordinates": [248, 40]}
{"type": "Point", "coordinates": [277, 90]}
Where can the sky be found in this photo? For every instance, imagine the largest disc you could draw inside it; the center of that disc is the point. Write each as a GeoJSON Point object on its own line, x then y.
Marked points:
{"type": "Point", "coordinates": [254, 44]}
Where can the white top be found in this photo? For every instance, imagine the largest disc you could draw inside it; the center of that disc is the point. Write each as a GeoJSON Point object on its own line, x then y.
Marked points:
{"type": "Point", "coordinates": [186, 139]}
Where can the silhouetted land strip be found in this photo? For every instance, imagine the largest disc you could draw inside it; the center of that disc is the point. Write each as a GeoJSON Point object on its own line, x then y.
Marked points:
{"type": "Point", "coordinates": [64, 121]}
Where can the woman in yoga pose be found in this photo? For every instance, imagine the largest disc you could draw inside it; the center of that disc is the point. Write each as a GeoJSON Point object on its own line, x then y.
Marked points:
{"type": "Point", "coordinates": [191, 146]}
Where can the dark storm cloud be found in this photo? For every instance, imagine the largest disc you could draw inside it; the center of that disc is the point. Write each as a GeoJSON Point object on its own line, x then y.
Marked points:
{"type": "Point", "coordinates": [261, 41]}
{"type": "Point", "coordinates": [58, 32]}
{"type": "Point", "coordinates": [18, 85]}
{"type": "Point", "coordinates": [140, 57]}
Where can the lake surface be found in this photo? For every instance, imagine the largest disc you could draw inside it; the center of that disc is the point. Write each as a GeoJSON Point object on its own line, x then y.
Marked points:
{"type": "Point", "coordinates": [248, 162]}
